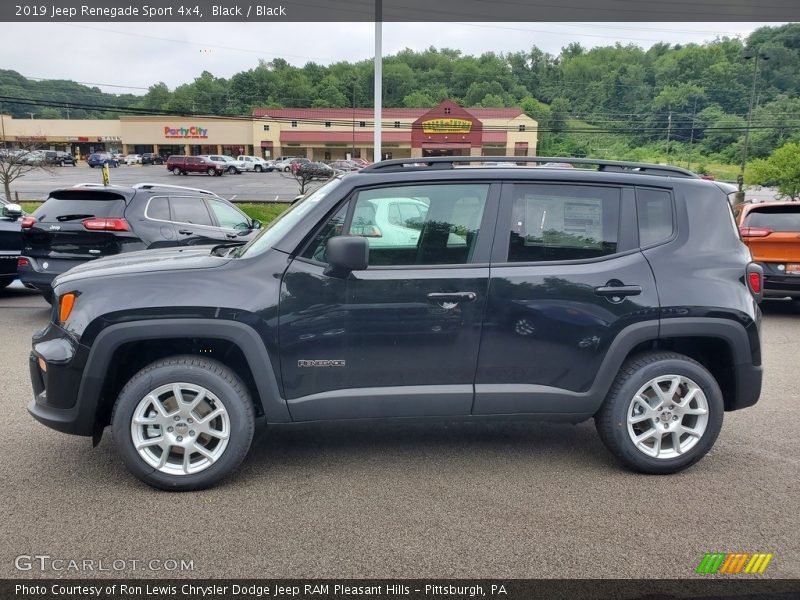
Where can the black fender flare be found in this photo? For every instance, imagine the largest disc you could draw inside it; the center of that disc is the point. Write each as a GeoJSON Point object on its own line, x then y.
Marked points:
{"type": "Point", "coordinates": [244, 336]}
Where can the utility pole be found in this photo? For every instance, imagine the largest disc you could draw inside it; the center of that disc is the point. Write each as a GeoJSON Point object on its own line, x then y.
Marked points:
{"type": "Point", "coordinates": [353, 152]}
{"type": "Point", "coordinates": [378, 150]}
{"type": "Point", "coordinates": [691, 137]}
{"type": "Point", "coordinates": [669, 132]}
{"type": "Point", "coordinates": [747, 55]}
{"type": "Point", "coordinates": [3, 124]}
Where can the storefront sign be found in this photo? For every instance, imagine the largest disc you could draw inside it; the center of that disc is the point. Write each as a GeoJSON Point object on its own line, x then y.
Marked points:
{"type": "Point", "coordinates": [186, 132]}
{"type": "Point", "coordinates": [447, 126]}
{"type": "Point", "coordinates": [109, 138]}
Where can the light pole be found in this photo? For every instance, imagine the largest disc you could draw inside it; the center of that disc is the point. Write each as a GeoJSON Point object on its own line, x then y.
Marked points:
{"type": "Point", "coordinates": [748, 54]}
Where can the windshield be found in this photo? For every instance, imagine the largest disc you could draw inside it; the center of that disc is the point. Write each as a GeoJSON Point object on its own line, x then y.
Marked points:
{"type": "Point", "coordinates": [286, 222]}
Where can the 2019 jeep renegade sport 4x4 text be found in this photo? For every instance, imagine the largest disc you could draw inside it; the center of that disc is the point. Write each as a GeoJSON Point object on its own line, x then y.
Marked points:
{"type": "Point", "coordinates": [420, 289]}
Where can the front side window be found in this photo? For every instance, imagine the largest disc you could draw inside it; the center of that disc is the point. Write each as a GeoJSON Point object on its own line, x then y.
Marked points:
{"type": "Point", "coordinates": [411, 225]}
{"type": "Point", "coordinates": [228, 216]}
{"type": "Point", "coordinates": [563, 222]}
{"type": "Point", "coordinates": [186, 209]}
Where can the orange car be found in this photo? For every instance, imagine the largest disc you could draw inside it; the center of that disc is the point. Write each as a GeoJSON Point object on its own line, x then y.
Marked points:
{"type": "Point", "coordinates": [772, 232]}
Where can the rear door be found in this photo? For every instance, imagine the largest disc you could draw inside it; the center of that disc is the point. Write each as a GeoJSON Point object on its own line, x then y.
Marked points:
{"type": "Point", "coordinates": [73, 226]}
{"type": "Point", "coordinates": [567, 277]}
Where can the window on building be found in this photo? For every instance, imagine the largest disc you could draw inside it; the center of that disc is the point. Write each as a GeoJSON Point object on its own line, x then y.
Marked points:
{"type": "Point", "coordinates": [327, 123]}
{"type": "Point", "coordinates": [362, 123]}
{"type": "Point", "coordinates": [266, 127]}
{"type": "Point", "coordinates": [397, 124]}
{"type": "Point", "coordinates": [327, 156]}
{"type": "Point", "coordinates": [447, 110]}
{"type": "Point", "coordinates": [294, 123]}
{"type": "Point", "coordinates": [522, 127]}
{"type": "Point", "coordinates": [563, 222]}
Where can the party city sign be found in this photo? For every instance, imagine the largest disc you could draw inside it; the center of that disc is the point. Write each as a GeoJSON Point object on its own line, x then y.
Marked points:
{"type": "Point", "coordinates": [186, 132]}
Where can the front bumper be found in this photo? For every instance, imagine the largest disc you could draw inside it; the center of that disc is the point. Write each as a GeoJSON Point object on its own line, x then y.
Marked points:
{"type": "Point", "coordinates": [56, 390]}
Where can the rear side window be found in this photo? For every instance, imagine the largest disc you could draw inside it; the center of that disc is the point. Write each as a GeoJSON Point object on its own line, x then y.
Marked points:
{"type": "Point", "coordinates": [72, 206]}
{"type": "Point", "coordinates": [563, 222]}
{"type": "Point", "coordinates": [776, 218]}
{"type": "Point", "coordinates": [158, 208]}
{"type": "Point", "coordinates": [654, 210]}
{"type": "Point", "coordinates": [186, 209]}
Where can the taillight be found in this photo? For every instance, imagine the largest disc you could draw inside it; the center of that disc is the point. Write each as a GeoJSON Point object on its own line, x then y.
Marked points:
{"type": "Point", "coordinates": [748, 232]}
{"type": "Point", "coordinates": [755, 279]}
{"type": "Point", "coordinates": [23, 262]}
{"type": "Point", "coordinates": [106, 224]}
{"type": "Point", "coordinates": [27, 222]}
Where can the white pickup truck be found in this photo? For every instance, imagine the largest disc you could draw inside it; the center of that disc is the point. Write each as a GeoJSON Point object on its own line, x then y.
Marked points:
{"type": "Point", "coordinates": [254, 163]}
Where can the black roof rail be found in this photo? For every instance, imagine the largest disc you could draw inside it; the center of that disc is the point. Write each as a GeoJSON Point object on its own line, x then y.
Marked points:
{"type": "Point", "coordinates": [450, 162]}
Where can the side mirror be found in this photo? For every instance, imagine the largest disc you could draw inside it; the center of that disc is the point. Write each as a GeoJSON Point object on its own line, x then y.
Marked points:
{"type": "Point", "coordinates": [346, 253]}
{"type": "Point", "coordinates": [12, 211]}
{"type": "Point", "coordinates": [256, 224]}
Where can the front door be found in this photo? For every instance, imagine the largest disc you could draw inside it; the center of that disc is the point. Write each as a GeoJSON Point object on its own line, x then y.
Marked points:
{"type": "Point", "coordinates": [401, 337]}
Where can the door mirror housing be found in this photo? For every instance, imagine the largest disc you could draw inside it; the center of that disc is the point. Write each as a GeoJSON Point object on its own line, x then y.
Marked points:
{"type": "Point", "coordinates": [256, 224]}
{"type": "Point", "coordinates": [12, 211]}
{"type": "Point", "coordinates": [346, 253]}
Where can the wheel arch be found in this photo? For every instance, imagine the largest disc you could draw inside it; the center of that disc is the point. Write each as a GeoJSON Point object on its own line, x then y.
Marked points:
{"type": "Point", "coordinates": [122, 349]}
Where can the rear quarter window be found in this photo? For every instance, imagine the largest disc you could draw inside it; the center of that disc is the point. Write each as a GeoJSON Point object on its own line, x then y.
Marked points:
{"type": "Point", "coordinates": [655, 215]}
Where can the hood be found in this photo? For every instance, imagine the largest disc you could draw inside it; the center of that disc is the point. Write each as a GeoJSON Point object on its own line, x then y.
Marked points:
{"type": "Point", "coordinates": [146, 261]}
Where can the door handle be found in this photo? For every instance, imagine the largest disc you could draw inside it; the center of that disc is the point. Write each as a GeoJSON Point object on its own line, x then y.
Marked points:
{"type": "Point", "coordinates": [452, 297]}
{"type": "Point", "coordinates": [231, 236]}
{"type": "Point", "coordinates": [610, 291]}
{"type": "Point", "coordinates": [185, 231]}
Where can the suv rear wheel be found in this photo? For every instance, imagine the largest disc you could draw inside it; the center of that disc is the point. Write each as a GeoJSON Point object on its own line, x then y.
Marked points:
{"type": "Point", "coordinates": [183, 423]}
{"type": "Point", "coordinates": [176, 171]}
{"type": "Point", "coordinates": [663, 413]}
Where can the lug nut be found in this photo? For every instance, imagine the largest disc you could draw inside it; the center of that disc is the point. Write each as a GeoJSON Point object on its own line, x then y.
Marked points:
{"type": "Point", "coordinates": [191, 433]}
{"type": "Point", "coordinates": [675, 418]}
{"type": "Point", "coordinates": [180, 438]}
{"type": "Point", "coordinates": [666, 426]}
{"type": "Point", "coordinates": [672, 407]}
{"type": "Point", "coordinates": [176, 418]}
{"type": "Point", "coordinates": [170, 428]}
{"type": "Point", "coordinates": [190, 420]}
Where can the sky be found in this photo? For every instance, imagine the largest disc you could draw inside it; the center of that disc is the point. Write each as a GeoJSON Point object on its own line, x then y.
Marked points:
{"type": "Point", "coordinates": [129, 57]}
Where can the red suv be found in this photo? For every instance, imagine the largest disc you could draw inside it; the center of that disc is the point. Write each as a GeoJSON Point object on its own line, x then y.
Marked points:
{"type": "Point", "coordinates": [183, 165]}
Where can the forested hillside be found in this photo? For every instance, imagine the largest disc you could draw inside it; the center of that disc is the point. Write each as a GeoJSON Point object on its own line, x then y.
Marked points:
{"type": "Point", "coordinates": [669, 102]}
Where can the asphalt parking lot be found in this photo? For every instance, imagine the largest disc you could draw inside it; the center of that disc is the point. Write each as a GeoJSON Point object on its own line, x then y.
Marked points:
{"type": "Point", "coordinates": [512, 500]}
{"type": "Point", "coordinates": [251, 187]}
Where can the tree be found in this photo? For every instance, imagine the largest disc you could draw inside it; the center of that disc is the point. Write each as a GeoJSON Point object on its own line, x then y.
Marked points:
{"type": "Point", "coordinates": [781, 168]}
{"type": "Point", "coordinates": [16, 163]}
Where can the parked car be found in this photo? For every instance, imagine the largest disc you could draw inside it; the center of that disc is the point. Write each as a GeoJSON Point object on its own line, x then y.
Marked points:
{"type": "Point", "coordinates": [345, 165]}
{"type": "Point", "coordinates": [296, 163]}
{"type": "Point", "coordinates": [133, 159]}
{"type": "Point", "coordinates": [118, 156]}
{"type": "Point", "coordinates": [85, 223]}
{"type": "Point", "coordinates": [285, 163]}
{"type": "Point", "coordinates": [60, 158]}
{"type": "Point", "coordinates": [183, 165]}
{"type": "Point", "coordinates": [228, 163]}
{"type": "Point", "coordinates": [772, 232]}
{"type": "Point", "coordinates": [362, 162]}
{"type": "Point", "coordinates": [11, 217]}
{"type": "Point", "coordinates": [314, 170]}
{"type": "Point", "coordinates": [98, 159]}
{"type": "Point", "coordinates": [151, 158]}
{"type": "Point", "coordinates": [254, 163]}
{"type": "Point", "coordinates": [310, 321]}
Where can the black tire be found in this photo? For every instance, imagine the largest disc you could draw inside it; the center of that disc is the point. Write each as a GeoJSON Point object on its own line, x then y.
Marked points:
{"type": "Point", "coordinates": [232, 170]}
{"type": "Point", "coordinates": [611, 419]}
{"type": "Point", "coordinates": [215, 377]}
{"type": "Point", "coordinates": [176, 171]}
{"type": "Point", "coordinates": [91, 166]}
{"type": "Point", "coordinates": [61, 163]}
{"type": "Point", "coordinates": [211, 171]}
{"type": "Point", "coordinates": [48, 296]}
{"type": "Point", "coordinates": [5, 282]}
{"type": "Point", "coordinates": [258, 169]}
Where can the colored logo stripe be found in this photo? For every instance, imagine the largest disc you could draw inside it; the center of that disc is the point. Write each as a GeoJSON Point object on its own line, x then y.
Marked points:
{"type": "Point", "coordinates": [733, 563]}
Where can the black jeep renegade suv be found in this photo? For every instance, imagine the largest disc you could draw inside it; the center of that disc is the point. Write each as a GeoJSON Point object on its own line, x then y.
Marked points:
{"type": "Point", "coordinates": [420, 288]}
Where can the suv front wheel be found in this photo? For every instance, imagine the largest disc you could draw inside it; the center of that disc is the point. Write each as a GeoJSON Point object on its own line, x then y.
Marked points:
{"type": "Point", "coordinates": [663, 413]}
{"type": "Point", "coordinates": [183, 423]}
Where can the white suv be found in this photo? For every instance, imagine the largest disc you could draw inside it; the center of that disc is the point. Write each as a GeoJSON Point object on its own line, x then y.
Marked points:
{"type": "Point", "coordinates": [254, 163]}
